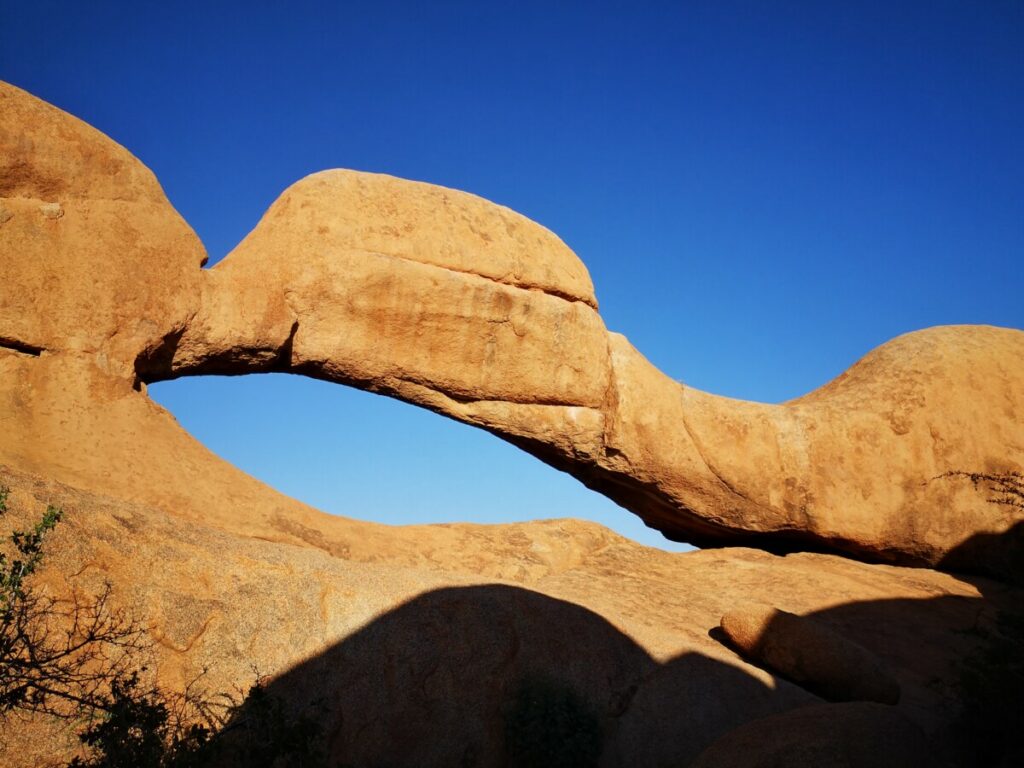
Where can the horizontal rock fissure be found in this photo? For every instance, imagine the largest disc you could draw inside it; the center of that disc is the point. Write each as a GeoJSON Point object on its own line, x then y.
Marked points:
{"type": "Point", "coordinates": [520, 286]}
{"type": "Point", "coordinates": [21, 347]}
{"type": "Point", "coordinates": [466, 400]}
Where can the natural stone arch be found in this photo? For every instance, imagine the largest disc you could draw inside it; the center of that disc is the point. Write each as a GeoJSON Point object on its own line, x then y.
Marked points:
{"type": "Point", "coordinates": [453, 303]}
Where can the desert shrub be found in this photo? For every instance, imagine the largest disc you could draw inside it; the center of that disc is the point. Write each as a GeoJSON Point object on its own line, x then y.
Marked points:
{"type": "Point", "coordinates": [143, 727]}
{"type": "Point", "coordinates": [549, 724]}
{"type": "Point", "coordinates": [139, 728]}
{"type": "Point", "coordinates": [57, 656]}
{"type": "Point", "coordinates": [82, 660]}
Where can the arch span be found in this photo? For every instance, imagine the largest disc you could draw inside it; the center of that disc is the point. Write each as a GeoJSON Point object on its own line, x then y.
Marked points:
{"type": "Point", "coordinates": [452, 303]}
{"type": "Point", "coordinates": [458, 305]}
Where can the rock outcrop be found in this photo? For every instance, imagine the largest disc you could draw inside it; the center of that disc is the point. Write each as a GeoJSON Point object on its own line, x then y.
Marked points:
{"type": "Point", "coordinates": [461, 306]}
{"type": "Point", "coordinates": [419, 660]}
{"type": "Point", "coordinates": [811, 655]}
{"type": "Point", "coordinates": [94, 262]}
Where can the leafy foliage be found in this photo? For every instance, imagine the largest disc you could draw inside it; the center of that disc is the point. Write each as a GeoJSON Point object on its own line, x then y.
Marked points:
{"type": "Point", "coordinates": [144, 727]}
{"type": "Point", "coordinates": [29, 548]}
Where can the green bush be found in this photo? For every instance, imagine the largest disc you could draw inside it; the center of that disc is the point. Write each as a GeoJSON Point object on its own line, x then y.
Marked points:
{"type": "Point", "coordinates": [138, 729]}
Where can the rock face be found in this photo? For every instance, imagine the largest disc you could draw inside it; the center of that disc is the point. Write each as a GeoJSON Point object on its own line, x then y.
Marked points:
{"type": "Point", "coordinates": [420, 659]}
{"type": "Point", "coordinates": [95, 263]}
{"type": "Point", "coordinates": [461, 306]}
{"type": "Point", "coordinates": [810, 655]}
{"type": "Point", "coordinates": [466, 308]}
{"type": "Point", "coordinates": [522, 352]}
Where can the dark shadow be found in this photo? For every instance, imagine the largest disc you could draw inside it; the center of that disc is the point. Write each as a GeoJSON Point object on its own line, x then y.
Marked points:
{"type": "Point", "coordinates": [984, 680]}
{"type": "Point", "coordinates": [497, 675]}
{"type": "Point", "coordinates": [15, 345]}
{"type": "Point", "coordinates": [998, 555]}
{"type": "Point", "coordinates": [959, 662]}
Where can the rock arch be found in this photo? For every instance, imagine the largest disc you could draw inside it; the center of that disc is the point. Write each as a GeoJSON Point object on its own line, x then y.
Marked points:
{"type": "Point", "coordinates": [461, 306]}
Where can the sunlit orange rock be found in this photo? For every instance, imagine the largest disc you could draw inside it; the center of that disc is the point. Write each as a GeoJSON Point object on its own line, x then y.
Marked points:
{"type": "Point", "coordinates": [452, 303]}
{"type": "Point", "coordinates": [448, 301]}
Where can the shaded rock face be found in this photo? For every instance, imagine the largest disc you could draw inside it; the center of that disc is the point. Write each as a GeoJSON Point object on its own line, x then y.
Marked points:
{"type": "Point", "coordinates": [453, 303]}
{"type": "Point", "coordinates": [809, 654]}
{"type": "Point", "coordinates": [857, 735]}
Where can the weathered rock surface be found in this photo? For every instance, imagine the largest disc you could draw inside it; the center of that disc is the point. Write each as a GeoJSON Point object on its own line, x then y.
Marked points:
{"type": "Point", "coordinates": [94, 262]}
{"type": "Point", "coordinates": [450, 302]}
{"type": "Point", "coordinates": [809, 654]}
{"type": "Point", "coordinates": [421, 659]}
{"type": "Point", "coordinates": [531, 361]}
{"type": "Point", "coordinates": [455, 304]}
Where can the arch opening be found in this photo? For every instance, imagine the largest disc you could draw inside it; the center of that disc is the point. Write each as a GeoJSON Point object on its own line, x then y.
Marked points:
{"type": "Point", "coordinates": [355, 454]}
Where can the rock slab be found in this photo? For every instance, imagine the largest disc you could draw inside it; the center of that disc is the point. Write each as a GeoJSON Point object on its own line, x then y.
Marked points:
{"type": "Point", "coordinates": [810, 654]}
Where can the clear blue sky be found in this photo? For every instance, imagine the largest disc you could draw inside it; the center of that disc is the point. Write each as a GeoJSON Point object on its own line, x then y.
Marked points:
{"type": "Point", "coordinates": [763, 192]}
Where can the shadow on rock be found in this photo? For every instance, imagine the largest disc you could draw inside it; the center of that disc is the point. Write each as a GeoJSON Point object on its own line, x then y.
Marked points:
{"type": "Point", "coordinates": [501, 676]}
{"type": "Point", "coordinates": [958, 662]}
{"type": "Point", "coordinates": [1001, 555]}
